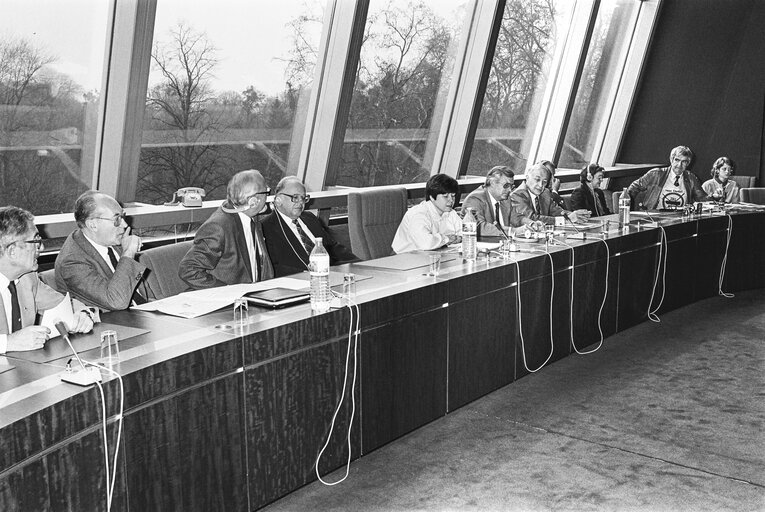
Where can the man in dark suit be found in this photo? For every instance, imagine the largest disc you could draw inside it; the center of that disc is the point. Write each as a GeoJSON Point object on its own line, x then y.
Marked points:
{"type": "Point", "coordinates": [491, 203]}
{"type": "Point", "coordinates": [97, 262]}
{"type": "Point", "coordinates": [291, 231]}
{"type": "Point", "coordinates": [533, 201]}
{"type": "Point", "coordinates": [228, 247]}
{"type": "Point", "coordinates": [22, 294]}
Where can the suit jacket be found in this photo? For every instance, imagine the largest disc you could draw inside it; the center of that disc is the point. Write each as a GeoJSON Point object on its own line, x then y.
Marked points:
{"type": "Point", "coordinates": [645, 191]}
{"type": "Point", "coordinates": [523, 206]}
{"type": "Point", "coordinates": [287, 253]}
{"type": "Point", "coordinates": [219, 254]}
{"type": "Point", "coordinates": [480, 201]}
{"type": "Point", "coordinates": [34, 297]}
{"type": "Point", "coordinates": [584, 197]}
{"type": "Point", "coordinates": [82, 272]}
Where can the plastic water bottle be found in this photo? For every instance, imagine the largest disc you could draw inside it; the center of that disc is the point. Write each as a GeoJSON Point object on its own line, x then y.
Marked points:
{"type": "Point", "coordinates": [318, 264]}
{"type": "Point", "coordinates": [469, 236]}
{"type": "Point", "coordinates": [624, 208]}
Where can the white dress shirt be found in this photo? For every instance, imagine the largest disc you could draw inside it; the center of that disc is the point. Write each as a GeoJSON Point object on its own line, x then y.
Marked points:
{"type": "Point", "coordinates": [425, 228]}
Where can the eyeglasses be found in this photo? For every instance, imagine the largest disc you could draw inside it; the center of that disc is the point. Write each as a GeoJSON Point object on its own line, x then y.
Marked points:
{"type": "Point", "coordinates": [297, 198]}
{"type": "Point", "coordinates": [117, 219]}
{"type": "Point", "coordinates": [37, 240]}
{"type": "Point", "coordinates": [256, 194]}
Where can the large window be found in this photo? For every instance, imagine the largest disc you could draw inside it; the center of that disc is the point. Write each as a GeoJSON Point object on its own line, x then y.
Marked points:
{"type": "Point", "coordinates": [227, 91]}
{"type": "Point", "coordinates": [51, 70]}
{"type": "Point", "coordinates": [406, 61]}
{"type": "Point", "coordinates": [599, 78]}
{"type": "Point", "coordinates": [520, 70]}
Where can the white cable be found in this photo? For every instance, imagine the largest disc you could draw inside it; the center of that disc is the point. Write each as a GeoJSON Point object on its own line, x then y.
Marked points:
{"type": "Point", "coordinates": [571, 297]}
{"type": "Point", "coordinates": [520, 316]}
{"type": "Point", "coordinates": [110, 482]}
{"type": "Point", "coordinates": [660, 268]}
{"type": "Point", "coordinates": [353, 334]}
{"type": "Point", "coordinates": [720, 291]}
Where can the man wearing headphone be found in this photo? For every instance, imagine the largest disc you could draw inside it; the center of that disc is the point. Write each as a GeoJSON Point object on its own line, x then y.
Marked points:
{"type": "Point", "coordinates": [229, 247]}
{"type": "Point", "coordinates": [291, 231]}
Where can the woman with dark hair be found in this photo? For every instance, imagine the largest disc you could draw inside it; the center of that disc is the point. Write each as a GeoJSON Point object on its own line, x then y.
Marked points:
{"type": "Point", "coordinates": [721, 187]}
{"type": "Point", "coordinates": [588, 195]}
{"type": "Point", "coordinates": [433, 223]}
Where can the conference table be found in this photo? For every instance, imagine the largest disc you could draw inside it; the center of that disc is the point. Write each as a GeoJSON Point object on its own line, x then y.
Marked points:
{"type": "Point", "coordinates": [220, 418]}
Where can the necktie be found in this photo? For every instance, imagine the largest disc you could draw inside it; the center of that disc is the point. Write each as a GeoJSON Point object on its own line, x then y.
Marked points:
{"type": "Point", "coordinates": [677, 181]}
{"type": "Point", "coordinates": [597, 206]}
{"type": "Point", "coordinates": [497, 216]}
{"type": "Point", "coordinates": [112, 257]}
{"type": "Point", "coordinates": [15, 309]}
{"type": "Point", "coordinates": [304, 238]}
{"type": "Point", "coordinates": [536, 204]}
{"type": "Point", "coordinates": [256, 243]}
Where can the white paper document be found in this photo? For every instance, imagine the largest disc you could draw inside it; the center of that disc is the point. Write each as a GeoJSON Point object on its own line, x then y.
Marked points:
{"type": "Point", "coordinates": [200, 302]}
{"type": "Point", "coordinates": [61, 313]}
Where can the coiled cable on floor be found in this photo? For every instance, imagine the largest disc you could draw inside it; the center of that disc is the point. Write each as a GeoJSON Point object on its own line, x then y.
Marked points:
{"type": "Point", "coordinates": [720, 291]}
{"type": "Point", "coordinates": [353, 341]}
{"type": "Point", "coordinates": [661, 268]}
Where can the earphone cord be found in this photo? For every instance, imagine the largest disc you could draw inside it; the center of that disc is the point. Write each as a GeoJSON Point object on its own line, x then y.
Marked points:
{"type": "Point", "coordinates": [281, 226]}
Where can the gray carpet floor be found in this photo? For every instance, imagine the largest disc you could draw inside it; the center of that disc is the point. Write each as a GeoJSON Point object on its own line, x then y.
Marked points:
{"type": "Point", "coordinates": [664, 417]}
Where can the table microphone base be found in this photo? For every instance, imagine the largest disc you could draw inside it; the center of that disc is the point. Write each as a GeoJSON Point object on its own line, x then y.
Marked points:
{"type": "Point", "coordinates": [85, 377]}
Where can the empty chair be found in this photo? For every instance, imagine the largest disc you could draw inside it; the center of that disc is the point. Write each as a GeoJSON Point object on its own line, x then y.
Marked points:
{"type": "Point", "coordinates": [753, 195]}
{"type": "Point", "coordinates": [162, 269]}
{"type": "Point", "coordinates": [373, 218]}
{"type": "Point", "coordinates": [744, 181]}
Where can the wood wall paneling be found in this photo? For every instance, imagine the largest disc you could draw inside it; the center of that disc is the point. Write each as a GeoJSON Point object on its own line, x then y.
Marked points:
{"type": "Point", "coordinates": [403, 377]}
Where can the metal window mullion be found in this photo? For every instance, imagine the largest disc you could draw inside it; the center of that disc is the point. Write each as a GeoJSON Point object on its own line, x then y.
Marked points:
{"type": "Point", "coordinates": [331, 92]}
{"type": "Point", "coordinates": [612, 131]}
{"type": "Point", "coordinates": [561, 88]}
{"type": "Point", "coordinates": [467, 86]}
{"type": "Point", "coordinates": [125, 97]}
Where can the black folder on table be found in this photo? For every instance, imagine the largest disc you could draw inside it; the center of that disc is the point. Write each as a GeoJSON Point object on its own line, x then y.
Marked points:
{"type": "Point", "coordinates": [277, 297]}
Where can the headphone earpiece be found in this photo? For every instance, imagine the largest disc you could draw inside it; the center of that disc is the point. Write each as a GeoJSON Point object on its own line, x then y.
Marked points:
{"type": "Point", "coordinates": [589, 176]}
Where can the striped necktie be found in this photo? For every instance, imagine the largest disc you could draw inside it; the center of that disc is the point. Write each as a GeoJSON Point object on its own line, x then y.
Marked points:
{"type": "Point", "coordinates": [304, 238]}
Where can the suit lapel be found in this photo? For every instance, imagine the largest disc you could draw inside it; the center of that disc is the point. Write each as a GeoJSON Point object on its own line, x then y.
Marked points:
{"type": "Point", "coordinates": [86, 247]}
{"type": "Point", "coordinates": [241, 243]}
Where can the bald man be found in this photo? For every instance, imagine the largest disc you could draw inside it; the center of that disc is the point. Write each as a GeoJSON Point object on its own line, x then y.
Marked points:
{"type": "Point", "coordinates": [229, 247]}
{"type": "Point", "coordinates": [97, 263]}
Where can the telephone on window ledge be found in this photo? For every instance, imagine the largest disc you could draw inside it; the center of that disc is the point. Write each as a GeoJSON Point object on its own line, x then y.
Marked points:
{"type": "Point", "coordinates": [190, 197]}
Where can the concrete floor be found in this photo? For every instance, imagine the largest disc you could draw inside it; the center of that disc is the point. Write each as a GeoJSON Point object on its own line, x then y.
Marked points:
{"type": "Point", "coordinates": [663, 417]}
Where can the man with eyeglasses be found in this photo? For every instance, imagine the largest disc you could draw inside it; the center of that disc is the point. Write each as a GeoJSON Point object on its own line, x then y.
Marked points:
{"type": "Point", "coordinates": [229, 247]}
{"type": "Point", "coordinates": [291, 231]}
{"type": "Point", "coordinates": [22, 294]}
{"type": "Point", "coordinates": [97, 263]}
{"type": "Point", "coordinates": [491, 203]}
{"type": "Point", "coordinates": [668, 187]}
{"type": "Point", "coordinates": [533, 201]}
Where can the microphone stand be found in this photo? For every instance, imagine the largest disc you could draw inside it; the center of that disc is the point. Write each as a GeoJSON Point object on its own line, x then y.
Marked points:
{"type": "Point", "coordinates": [85, 376]}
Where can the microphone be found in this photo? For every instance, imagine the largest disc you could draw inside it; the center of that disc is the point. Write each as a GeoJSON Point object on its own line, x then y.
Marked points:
{"type": "Point", "coordinates": [85, 376]}
{"type": "Point", "coordinates": [567, 216]}
{"type": "Point", "coordinates": [501, 229]}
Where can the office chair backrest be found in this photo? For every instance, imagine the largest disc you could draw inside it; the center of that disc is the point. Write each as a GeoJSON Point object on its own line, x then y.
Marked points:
{"type": "Point", "coordinates": [753, 195]}
{"type": "Point", "coordinates": [162, 263]}
{"type": "Point", "coordinates": [744, 181]}
{"type": "Point", "coordinates": [373, 218]}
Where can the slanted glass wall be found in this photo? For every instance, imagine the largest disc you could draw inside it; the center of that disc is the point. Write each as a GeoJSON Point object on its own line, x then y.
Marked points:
{"type": "Point", "coordinates": [530, 35]}
{"type": "Point", "coordinates": [237, 84]}
{"type": "Point", "coordinates": [51, 75]}
{"type": "Point", "coordinates": [228, 90]}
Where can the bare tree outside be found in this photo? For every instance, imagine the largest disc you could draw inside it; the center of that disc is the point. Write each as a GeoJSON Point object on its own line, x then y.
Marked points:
{"type": "Point", "coordinates": [44, 114]}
